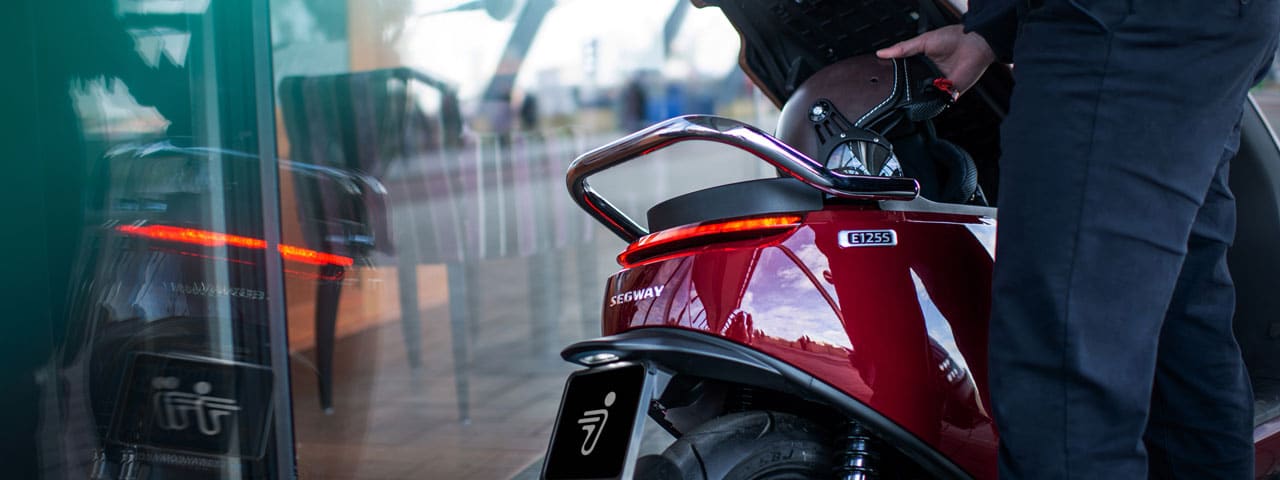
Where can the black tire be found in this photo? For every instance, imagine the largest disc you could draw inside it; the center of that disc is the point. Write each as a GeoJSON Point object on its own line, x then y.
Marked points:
{"type": "Point", "coordinates": [744, 446]}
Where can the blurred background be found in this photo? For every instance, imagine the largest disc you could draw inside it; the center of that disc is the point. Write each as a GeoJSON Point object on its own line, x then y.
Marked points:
{"type": "Point", "coordinates": [447, 338]}
{"type": "Point", "coordinates": [406, 160]}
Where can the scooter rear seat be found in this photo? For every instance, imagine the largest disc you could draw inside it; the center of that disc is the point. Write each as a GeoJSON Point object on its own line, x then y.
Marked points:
{"type": "Point", "coordinates": [752, 197]}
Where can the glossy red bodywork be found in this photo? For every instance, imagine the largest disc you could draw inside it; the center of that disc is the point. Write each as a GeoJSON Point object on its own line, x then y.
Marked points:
{"type": "Point", "coordinates": [1266, 449]}
{"type": "Point", "coordinates": [900, 328]}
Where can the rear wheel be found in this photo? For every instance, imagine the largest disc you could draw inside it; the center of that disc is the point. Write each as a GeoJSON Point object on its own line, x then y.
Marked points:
{"type": "Point", "coordinates": [742, 446]}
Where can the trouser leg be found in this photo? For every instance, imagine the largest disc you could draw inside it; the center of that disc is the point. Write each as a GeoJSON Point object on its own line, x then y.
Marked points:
{"type": "Point", "coordinates": [1110, 147]}
{"type": "Point", "coordinates": [1201, 421]}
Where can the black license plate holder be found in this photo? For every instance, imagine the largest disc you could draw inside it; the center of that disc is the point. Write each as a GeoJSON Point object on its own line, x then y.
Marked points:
{"type": "Point", "coordinates": [597, 432]}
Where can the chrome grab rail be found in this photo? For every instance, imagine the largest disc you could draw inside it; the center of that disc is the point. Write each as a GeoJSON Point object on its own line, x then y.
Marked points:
{"type": "Point", "coordinates": [729, 132]}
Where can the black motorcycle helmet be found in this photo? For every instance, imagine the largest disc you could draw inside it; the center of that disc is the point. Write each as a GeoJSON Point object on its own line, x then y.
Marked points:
{"type": "Point", "coordinates": [869, 116]}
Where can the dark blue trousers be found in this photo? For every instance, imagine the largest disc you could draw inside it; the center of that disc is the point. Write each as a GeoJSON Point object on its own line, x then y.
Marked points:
{"type": "Point", "coordinates": [1112, 355]}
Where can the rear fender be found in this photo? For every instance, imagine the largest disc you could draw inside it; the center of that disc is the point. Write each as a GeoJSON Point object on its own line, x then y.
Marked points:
{"type": "Point", "coordinates": [688, 352]}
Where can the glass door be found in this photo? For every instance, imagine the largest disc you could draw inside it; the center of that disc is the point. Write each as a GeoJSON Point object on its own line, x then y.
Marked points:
{"type": "Point", "coordinates": [153, 137]}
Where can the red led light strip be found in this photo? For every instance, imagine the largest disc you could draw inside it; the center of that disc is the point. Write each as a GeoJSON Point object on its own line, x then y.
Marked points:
{"type": "Point", "coordinates": [655, 240]}
{"type": "Point", "coordinates": [214, 239]}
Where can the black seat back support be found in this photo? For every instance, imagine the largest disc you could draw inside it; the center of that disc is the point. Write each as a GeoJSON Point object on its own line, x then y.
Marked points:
{"type": "Point", "coordinates": [742, 199]}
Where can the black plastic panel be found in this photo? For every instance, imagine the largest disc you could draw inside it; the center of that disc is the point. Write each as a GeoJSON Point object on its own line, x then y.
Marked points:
{"type": "Point", "coordinates": [787, 41]}
{"type": "Point", "coordinates": [742, 199]}
{"type": "Point", "coordinates": [1254, 259]}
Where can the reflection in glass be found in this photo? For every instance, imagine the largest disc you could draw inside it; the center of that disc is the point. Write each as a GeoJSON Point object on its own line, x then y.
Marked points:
{"type": "Point", "coordinates": [166, 367]}
{"type": "Point", "coordinates": [446, 333]}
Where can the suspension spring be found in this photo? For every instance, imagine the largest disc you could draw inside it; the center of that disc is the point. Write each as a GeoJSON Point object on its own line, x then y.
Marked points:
{"type": "Point", "coordinates": [860, 457]}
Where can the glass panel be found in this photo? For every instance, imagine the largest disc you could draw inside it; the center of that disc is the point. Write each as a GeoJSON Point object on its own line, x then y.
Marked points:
{"type": "Point", "coordinates": [453, 124]}
{"type": "Point", "coordinates": [157, 151]}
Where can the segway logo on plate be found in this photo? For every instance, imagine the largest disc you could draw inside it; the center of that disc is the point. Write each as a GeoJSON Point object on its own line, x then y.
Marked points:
{"type": "Point", "coordinates": [868, 238]}
{"type": "Point", "coordinates": [180, 410]}
{"type": "Point", "coordinates": [636, 295]}
{"type": "Point", "coordinates": [592, 422]}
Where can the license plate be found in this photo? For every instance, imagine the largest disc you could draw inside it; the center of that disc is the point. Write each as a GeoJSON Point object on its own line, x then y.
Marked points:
{"type": "Point", "coordinates": [196, 405]}
{"type": "Point", "coordinates": [601, 418]}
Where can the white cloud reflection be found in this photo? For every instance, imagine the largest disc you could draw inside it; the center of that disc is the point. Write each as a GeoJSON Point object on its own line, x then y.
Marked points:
{"type": "Point", "coordinates": [937, 325]}
{"type": "Point", "coordinates": [796, 308]}
{"type": "Point", "coordinates": [985, 232]}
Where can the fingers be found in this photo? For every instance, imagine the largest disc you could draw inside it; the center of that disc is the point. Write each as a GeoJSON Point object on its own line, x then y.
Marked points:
{"type": "Point", "coordinates": [905, 48]}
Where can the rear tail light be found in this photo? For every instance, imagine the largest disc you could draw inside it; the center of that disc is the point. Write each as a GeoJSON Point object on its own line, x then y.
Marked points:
{"type": "Point", "coordinates": [658, 245]}
{"type": "Point", "coordinates": [206, 238]}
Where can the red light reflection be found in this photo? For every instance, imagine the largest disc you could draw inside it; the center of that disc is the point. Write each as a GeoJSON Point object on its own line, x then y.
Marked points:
{"type": "Point", "coordinates": [214, 239]}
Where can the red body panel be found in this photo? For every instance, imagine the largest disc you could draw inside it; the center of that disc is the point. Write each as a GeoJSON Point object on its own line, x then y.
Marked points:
{"type": "Point", "coordinates": [901, 328]}
{"type": "Point", "coordinates": [1266, 446]}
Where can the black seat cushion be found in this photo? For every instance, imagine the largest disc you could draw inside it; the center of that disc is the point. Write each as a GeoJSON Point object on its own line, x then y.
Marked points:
{"type": "Point", "coordinates": [752, 197]}
{"type": "Point", "coordinates": [946, 173]}
{"type": "Point", "coordinates": [959, 172]}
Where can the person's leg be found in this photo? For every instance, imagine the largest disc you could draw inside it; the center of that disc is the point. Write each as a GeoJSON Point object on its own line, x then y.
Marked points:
{"type": "Point", "coordinates": [1109, 149]}
{"type": "Point", "coordinates": [1201, 422]}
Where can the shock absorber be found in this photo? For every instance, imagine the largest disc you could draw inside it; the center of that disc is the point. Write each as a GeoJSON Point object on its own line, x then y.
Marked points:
{"type": "Point", "coordinates": [860, 457]}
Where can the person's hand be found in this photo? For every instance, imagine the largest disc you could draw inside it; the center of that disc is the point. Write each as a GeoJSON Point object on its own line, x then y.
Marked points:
{"type": "Point", "coordinates": [962, 57]}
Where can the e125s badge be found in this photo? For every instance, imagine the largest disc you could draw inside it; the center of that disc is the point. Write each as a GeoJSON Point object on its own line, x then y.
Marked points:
{"type": "Point", "coordinates": [868, 238]}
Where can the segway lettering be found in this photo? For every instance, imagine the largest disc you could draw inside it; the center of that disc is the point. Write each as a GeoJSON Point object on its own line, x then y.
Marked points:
{"type": "Point", "coordinates": [636, 295]}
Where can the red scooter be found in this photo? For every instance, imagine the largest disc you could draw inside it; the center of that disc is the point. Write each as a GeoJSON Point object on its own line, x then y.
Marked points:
{"type": "Point", "coordinates": [831, 322]}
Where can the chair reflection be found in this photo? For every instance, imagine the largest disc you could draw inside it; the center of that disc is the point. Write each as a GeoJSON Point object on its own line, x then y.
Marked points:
{"type": "Point", "coordinates": [452, 197]}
